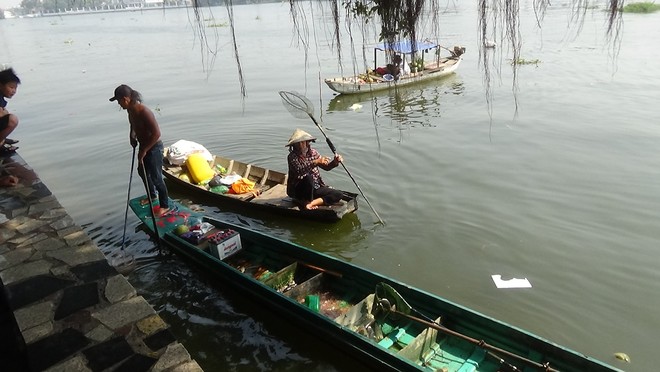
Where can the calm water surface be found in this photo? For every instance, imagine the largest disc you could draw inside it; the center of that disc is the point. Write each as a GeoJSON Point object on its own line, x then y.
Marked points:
{"type": "Point", "coordinates": [564, 194]}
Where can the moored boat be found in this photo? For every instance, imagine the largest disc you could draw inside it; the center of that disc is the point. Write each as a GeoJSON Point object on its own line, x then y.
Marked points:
{"type": "Point", "coordinates": [380, 321]}
{"type": "Point", "coordinates": [425, 70]}
{"type": "Point", "coordinates": [267, 194]}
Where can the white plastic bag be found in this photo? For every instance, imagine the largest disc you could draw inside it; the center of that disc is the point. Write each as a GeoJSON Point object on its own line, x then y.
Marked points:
{"type": "Point", "coordinates": [181, 149]}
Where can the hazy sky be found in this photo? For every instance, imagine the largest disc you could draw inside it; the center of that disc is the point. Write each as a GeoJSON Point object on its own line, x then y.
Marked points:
{"type": "Point", "coordinates": [6, 4]}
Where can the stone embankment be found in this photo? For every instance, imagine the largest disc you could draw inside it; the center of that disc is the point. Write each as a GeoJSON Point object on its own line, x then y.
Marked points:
{"type": "Point", "coordinates": [62, 306]}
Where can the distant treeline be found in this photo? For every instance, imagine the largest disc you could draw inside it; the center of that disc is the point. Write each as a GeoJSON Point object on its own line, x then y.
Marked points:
{"type": "Point", "coordinates": [55, 6]}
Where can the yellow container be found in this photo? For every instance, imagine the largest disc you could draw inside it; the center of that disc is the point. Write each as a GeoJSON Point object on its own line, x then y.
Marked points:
{"type": "Point", "coordinates": [199, 169]}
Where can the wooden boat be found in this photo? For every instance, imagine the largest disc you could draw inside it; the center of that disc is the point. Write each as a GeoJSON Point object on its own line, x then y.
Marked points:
{"type": "Point", "coordinates": [372, 82]}
{"type": "Point", "coordinates": [380, 321]}
{"type": "Point", "coordinates": [269, 192]}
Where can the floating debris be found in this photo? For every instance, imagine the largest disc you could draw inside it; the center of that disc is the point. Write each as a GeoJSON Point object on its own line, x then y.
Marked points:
{"type": "Point", "coordinates": [622, 356]}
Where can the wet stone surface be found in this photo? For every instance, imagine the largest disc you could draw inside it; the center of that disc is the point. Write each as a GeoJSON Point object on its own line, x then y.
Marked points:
{"type": "Point", "coordinates": [62, 306]}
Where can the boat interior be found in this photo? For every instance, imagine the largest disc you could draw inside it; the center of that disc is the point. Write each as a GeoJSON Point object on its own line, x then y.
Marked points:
{"type": "Point", "coordinates": [353, 304]}
{"type": "Point", "coordinates": [269, 188]}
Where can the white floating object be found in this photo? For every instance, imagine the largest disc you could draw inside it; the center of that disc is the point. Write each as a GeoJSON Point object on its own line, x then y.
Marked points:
{"type": "Point", "coordinates": [511, 283]}
{"type": "Point", "coordinates": [355, 106]}
{"type": "Point", "coordinates": [489, 44]}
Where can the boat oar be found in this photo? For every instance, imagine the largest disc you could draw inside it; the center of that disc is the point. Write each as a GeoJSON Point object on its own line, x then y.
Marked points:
{"type": "Point", "coordinates": [300, 107]}
{"type": "Point", "coordinates": [127, 262]}
{"type": "Point", "coordinates": [384, 304]}
{"type": "Point", "coordinates": [151, 207]}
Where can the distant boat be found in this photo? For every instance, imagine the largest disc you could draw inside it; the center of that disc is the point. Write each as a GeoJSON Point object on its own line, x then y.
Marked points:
{"type": "Point", "coordinates": [432, 68]}
{"type": "Point", "coordinates": [385, 324]}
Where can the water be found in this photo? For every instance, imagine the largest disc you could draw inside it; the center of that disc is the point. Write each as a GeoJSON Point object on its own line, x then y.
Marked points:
{"type": "Point", "coordinates": [564, 193]}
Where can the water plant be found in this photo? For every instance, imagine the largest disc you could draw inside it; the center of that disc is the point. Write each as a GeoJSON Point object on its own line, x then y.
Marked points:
{"type": "Point", "coordinates": [645, 7]}
{"type": "Point", "coordinates": [522, 61]}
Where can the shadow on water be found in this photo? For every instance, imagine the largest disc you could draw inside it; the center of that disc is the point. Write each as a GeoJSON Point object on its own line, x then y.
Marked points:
{"type": "Point", "coordinates": [342, 238]}
{"type": "Point", "coordinates": [225, 329]}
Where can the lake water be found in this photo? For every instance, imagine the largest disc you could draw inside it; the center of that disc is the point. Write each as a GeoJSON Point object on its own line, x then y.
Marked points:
{"type": "Point", "coordinates": [564, 193]}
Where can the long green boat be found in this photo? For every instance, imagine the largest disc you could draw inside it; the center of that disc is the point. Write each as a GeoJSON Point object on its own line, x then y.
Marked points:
{"type": "Point", "coordinates": [380, 321]}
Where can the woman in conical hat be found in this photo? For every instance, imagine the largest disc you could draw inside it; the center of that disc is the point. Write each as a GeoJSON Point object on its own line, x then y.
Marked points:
{"type": "Point", "coordinates": [305, 184]}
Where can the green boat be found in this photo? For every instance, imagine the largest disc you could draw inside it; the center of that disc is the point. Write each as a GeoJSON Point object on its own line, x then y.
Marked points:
{"type": "Point", "coordinates": [382, 322]}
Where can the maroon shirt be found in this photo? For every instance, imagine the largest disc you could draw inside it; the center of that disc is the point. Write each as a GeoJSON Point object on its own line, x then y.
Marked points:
{"type": "Point", "coordinates": [302, 164]}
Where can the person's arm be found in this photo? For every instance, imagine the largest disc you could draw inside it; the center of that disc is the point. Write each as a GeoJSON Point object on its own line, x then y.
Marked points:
{"type": "Point", "coordinates": [132, 137]}
{"type": "Point", "coordinates": [325, 163]}
{"type": "Point", "coordinates": [152, 131]}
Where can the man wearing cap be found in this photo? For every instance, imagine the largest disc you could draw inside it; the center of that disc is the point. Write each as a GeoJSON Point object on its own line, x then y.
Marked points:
{"type": "Point", "coordinates": [305, 184]}
{"type": "Point", "coordinates": [146, 132]}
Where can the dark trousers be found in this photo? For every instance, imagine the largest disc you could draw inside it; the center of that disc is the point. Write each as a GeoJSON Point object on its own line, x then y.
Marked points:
{"type": "Point", "coordinates": [153, 165]}
{"type": "Point", "coordinates": [304, 190]}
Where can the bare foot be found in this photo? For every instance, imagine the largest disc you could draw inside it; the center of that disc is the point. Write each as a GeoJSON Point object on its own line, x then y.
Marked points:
{"type": "Point", "coordinates": [314, 204]}
{"type": "Point", "coordinates": [8, 181]}
{"type": "Point", "coordinates": [162, 211]}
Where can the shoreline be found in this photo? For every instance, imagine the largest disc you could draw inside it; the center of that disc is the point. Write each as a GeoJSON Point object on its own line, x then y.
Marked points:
{"type": "Point", "coordinates": [63, 306]}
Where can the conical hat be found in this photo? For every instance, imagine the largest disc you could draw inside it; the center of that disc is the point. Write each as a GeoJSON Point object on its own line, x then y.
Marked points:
{"type": "Point", "coordinates": [299, 135]}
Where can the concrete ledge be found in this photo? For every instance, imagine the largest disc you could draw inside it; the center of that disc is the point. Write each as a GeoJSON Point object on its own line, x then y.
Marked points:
{"type": "Point", "coordinates": [64, 308]}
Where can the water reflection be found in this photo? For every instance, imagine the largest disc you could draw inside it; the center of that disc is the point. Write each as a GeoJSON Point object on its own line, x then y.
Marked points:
{"type": "Point", "coordinates": [405, 107]}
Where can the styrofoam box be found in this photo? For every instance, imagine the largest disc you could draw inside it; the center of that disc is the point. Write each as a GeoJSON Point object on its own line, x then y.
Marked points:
{"type": "Point", "coordinates": [225, 247]}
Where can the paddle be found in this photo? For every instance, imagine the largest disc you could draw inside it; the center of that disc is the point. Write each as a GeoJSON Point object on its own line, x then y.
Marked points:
{"type": "Point", "coordinates": [128, 260]}
{"type": "Point", "coordinates": [299, 106]}
{"type": "Point", "coordinates": [384, 305]}
{"type": "Point", "coordinates": [151, 208]}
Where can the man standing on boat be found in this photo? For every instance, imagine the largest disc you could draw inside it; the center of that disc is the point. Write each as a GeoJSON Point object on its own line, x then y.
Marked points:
{"type": "Point", "coordinates": [146, 132]}
{"type": "Point", "coordinates": [305, 184]}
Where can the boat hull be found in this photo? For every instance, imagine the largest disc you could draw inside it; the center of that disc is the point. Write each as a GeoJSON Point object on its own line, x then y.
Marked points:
{"type": "Point", "coordinates": [355, 85]}
{"type": "Point", "coordinates": [309, 270]}
{"type": "Point", "coordinates": [269, 194]}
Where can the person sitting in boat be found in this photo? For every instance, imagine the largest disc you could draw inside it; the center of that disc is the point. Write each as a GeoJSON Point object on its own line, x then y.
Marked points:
{"type": "Point", "coordinates": [394, 68]}
{"type": "Point", "coordinates": [305, 184]}
{"type": "Point", "coordinates": [398, 67]}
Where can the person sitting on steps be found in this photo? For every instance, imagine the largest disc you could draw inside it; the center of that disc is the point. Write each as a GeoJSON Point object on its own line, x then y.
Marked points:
{"type": "Point", "coordinates": [8, 122]}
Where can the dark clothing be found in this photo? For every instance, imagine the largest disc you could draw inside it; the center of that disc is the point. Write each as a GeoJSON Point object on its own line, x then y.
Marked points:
{"type": "Point", "coordinates": [305, 182]}
{"type": "Point", "coordinates": [4, 122]}
{"type": "Point", "coordinates": [304, 190]}
{"type": "Point", "coordinates": [301, 165]}
{"type": "Point", "coordinates": [153, 165]}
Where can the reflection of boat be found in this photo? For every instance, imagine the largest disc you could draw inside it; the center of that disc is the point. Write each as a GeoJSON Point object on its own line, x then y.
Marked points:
{"type": "Point", "coordinates": [371, 81]}
{"type": "Point", "coordinates": [363, 101]}
{"type": "Point", "coordinates": [269, 191]}
{"type": "Point", "coordinates": [381, 322]}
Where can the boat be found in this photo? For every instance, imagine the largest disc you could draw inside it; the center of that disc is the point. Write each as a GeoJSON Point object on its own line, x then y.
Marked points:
{"type": "Point", "coordinates": [383, 323]}
{"type": "Point", "coordinates": [425, 70]}
{"type": "Point", "coordinates": [268, 193]}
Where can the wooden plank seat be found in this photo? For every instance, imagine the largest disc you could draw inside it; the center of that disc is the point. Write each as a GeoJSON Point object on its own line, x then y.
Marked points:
{"type": "Point", "coordinates": [276, 196]}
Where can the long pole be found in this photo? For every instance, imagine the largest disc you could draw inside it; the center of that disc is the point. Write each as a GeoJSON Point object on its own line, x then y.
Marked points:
{"type": "Point", "coordinates": [299, 106]}
{"type": "Point", "coordinates": [334, 150]}
{"type": "Point", "coordinates": [480, 343]}
{"type": "Point", "coordinates": [151, 208]}
{"type": "Point", "coordinates": [128, 200]}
